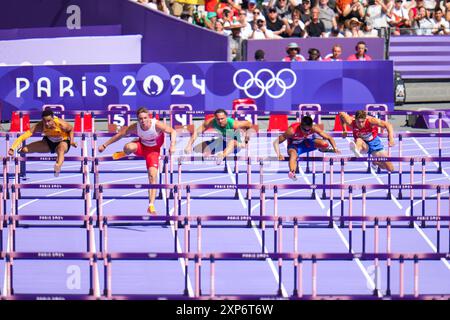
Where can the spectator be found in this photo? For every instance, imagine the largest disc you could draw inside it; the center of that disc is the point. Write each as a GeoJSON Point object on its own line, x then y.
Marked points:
{"type": "Point", "coordinates": [260, 55]}
{"type": "Point", "coordinates": [440, 25]}
{"type": "Point", "coordinates": [342, 5]}
{"type": "Point", "coordinates": [305, 9]}
{"type": "Point", "coordinates": [335, 54]}
{"type": "Point", "coordinates": [260, 31]}
{"type": "Point", "coordinates": [423, 26]}
{"type": "Point", "coordinates": [256, 15]}
{"type": "Point", "coordinates": [251, 7]}
{"type": "Point", "coordinates": [399, 18]}
{"type": "Point", "coordinates": [360, 54]}
{"type": "Point", "coordinates": [180, 8]}
{"type": "Point", "coordinates": [354, 10]}
{"type": "Point", "coordinates": [275, 24]}
{"type": "Point", "coordinates": [293, 51]}
{"type": "Point", "coordinates": [228, 21]}
{"type": "Point", "coordinates": [211, 5]}
{"type": "Point", "coordinates": [353, 28]}
{"type": "Point", "coordinates": [327, 15]}
{"type": "Point", "coordinates": [334, 33]}
{"type": "Point", "coordinates": [282, 8]}
{"type": "Point", "coordinates": [376, 14]}
{"type": "Point", "coordinates": [296, 26]}
{"type": "Point", "coordinates": [414, 10]}
{"type": "Point", "coordinates": [368, 30]}
{"type": "Point", "coordinates": [218, 27]}
{"type": "Point", "coordinates": [314, 54]}
{"type": "Point", "coordinates": [235, 42]}
{"type": "Point", "coordinates": [210, 21]}
{"type": "Point", "coordinates": [246, 27]}
{"type": "Point", "coordinates": [315, 27]}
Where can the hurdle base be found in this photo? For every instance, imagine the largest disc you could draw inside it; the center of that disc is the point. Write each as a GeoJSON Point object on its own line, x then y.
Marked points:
{"type": "Point", "coordinates": [186, 292]}
{"type": "Point", "coordinates": [388, 292]}
{"type": "Point", "coordinates": [376, 292]}
{"type": "Point", "coordinates": [279, 293]}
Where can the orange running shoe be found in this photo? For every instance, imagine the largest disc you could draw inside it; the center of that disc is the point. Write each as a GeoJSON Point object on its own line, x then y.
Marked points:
{"type": "Point", "coordinates": [119, 155]}
{"type": "Point", "coordinates": [151, 209]}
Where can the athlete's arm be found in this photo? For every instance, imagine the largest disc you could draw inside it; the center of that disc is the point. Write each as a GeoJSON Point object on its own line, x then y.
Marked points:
{"type": "Point", "coordinates": [346, 120]}
{"type": "Point", "coordinates": [202, 128]}
{"type": "Point", "coordinates": [36, 128]}
{"type": "Point", "coordinates": [276, 143]}
{"type": "Point", "coordinates": [326, 136]}
{"type": "Point", "coordinates": [173, 134]}
{"type": "Point", "coordinates": [386, 125]}
{"type": "Point", "coordinates": [243, 125]}
{"type": "Point", "coordinates": [119, 135]}
{"type": "Point", "coordinates": [69, 129]}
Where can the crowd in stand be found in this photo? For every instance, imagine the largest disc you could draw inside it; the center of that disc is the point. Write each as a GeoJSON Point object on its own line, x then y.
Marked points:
{"type": "Point", "coordinates": [272, 19]}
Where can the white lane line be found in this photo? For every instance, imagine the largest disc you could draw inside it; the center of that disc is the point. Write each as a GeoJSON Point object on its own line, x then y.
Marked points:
{"type": "Point", "coordinates": [179, 249]}
{"type": "Point", "coordinates": [342, 237]}
{"type": "Point", "coordinates": [422, 233]}
{"type": "Point", "coordinates": [258, 236]}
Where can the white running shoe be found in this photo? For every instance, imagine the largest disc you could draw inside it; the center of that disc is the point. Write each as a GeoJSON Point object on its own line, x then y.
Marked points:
{"type": "Point", "coordinates": [292, 176]}
{"type": "Point", "coordinates": [220, 158]}
{"type": "Point", "coordinates": [352, 146]}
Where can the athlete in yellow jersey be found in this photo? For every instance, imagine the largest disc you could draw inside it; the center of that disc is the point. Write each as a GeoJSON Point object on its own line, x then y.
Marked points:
{"type": "Point", "coordinates": [58, 137]}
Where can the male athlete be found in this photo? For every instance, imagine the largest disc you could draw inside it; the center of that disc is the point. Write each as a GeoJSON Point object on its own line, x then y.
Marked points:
{"type": "Point", "coordinates": [58, 137]}
{"type": "Point", "coordinates": [228, 128]}
{"type": "Point", "coordinates": [365, 133]}
{"type": "Point", "coordinates": [151, 137]}
{"type": "Point", "coordinates": [301, 139]}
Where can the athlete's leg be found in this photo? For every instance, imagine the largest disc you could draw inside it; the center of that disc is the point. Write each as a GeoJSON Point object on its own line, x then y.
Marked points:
{"type": "Point", "coordinates": [387, 165]}
{"type": "Point", "coordinates": [36, 147]}
{"type": "Point", "coordinates": [293, 155]}
{"type": "Point", "coordinates": [61, 149]}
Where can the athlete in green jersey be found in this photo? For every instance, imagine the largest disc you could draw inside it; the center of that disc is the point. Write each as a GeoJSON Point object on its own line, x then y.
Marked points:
{"type": "Point", "coordinates": [229, 130]}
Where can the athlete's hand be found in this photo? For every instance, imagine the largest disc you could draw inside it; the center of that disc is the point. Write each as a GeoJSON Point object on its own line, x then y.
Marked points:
{"type": "Point", "coordinates": [337, 151]}
{"type": "Point", "coordinates": [391, 142]}
{"type": "Point", "coordinates": [280, 157]}
{"type": "Point", "coordinates": [74, 144]}
{"type": "Point", "coordinates": [101, 148]}
{"type": "Point", "coordinates": [11, 152]}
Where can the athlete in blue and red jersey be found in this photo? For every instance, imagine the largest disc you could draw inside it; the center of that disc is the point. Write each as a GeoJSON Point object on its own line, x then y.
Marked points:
{"type": "Point", "coordinates": [302, 138]}
{"type": "Point", "coordinates": [365, 133]}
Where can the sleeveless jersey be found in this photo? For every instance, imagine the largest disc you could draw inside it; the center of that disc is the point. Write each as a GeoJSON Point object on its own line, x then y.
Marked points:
{"type": "Point", "coordinates": [148, 137]}
{"type": "Point", "coordinates": [367, 133]}
{"type": "Point", "coordinates": [299, 136]}
{"type": "Point", "coordinates": [56, 134]}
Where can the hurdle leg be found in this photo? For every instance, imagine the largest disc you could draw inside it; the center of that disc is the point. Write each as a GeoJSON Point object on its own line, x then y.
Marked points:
{"type": "Point", "coordinates": [364, 200]}
{"type": "Point", "coordinates": [330, 225]}
{"type": "Point", "coordinates": [423, 193]}
{"type": "Point", "coordinates": [411, 192]}
{"type": "Point", "coordinates": [280, 261]}
{"type": "Point", "coordinates": [388, 260]}
{"type": "Point", "coordinates": [438, 223]}
{"type": "Point", "coordinates": [400, 165]}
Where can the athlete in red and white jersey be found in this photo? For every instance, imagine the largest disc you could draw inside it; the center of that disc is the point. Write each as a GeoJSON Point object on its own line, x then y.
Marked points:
{"type": "Point", "coordinates": [151, 137]}
{"type": "Point", "coordinates": [365, 133]}
{"type": "Point", "coordinates": [300, 137]}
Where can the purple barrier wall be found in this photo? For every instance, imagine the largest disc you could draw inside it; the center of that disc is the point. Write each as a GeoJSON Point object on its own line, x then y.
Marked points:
{"type": "Point", "coordinates": [176, 41]}
{"type": "Point", "coordinates": [32, 33]}
{"type": "Point", "coordinates": [52, 13]}
{"type": "Point", "coordinates": [421, 57]}
{"type": "Point", "coordinates": [276, 49]}
{"type": "Point", "coordinates": [164, 37]}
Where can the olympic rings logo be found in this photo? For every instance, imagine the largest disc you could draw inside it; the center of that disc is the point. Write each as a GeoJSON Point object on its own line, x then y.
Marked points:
{"type": "Point", "coordinates": [274, 82]}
